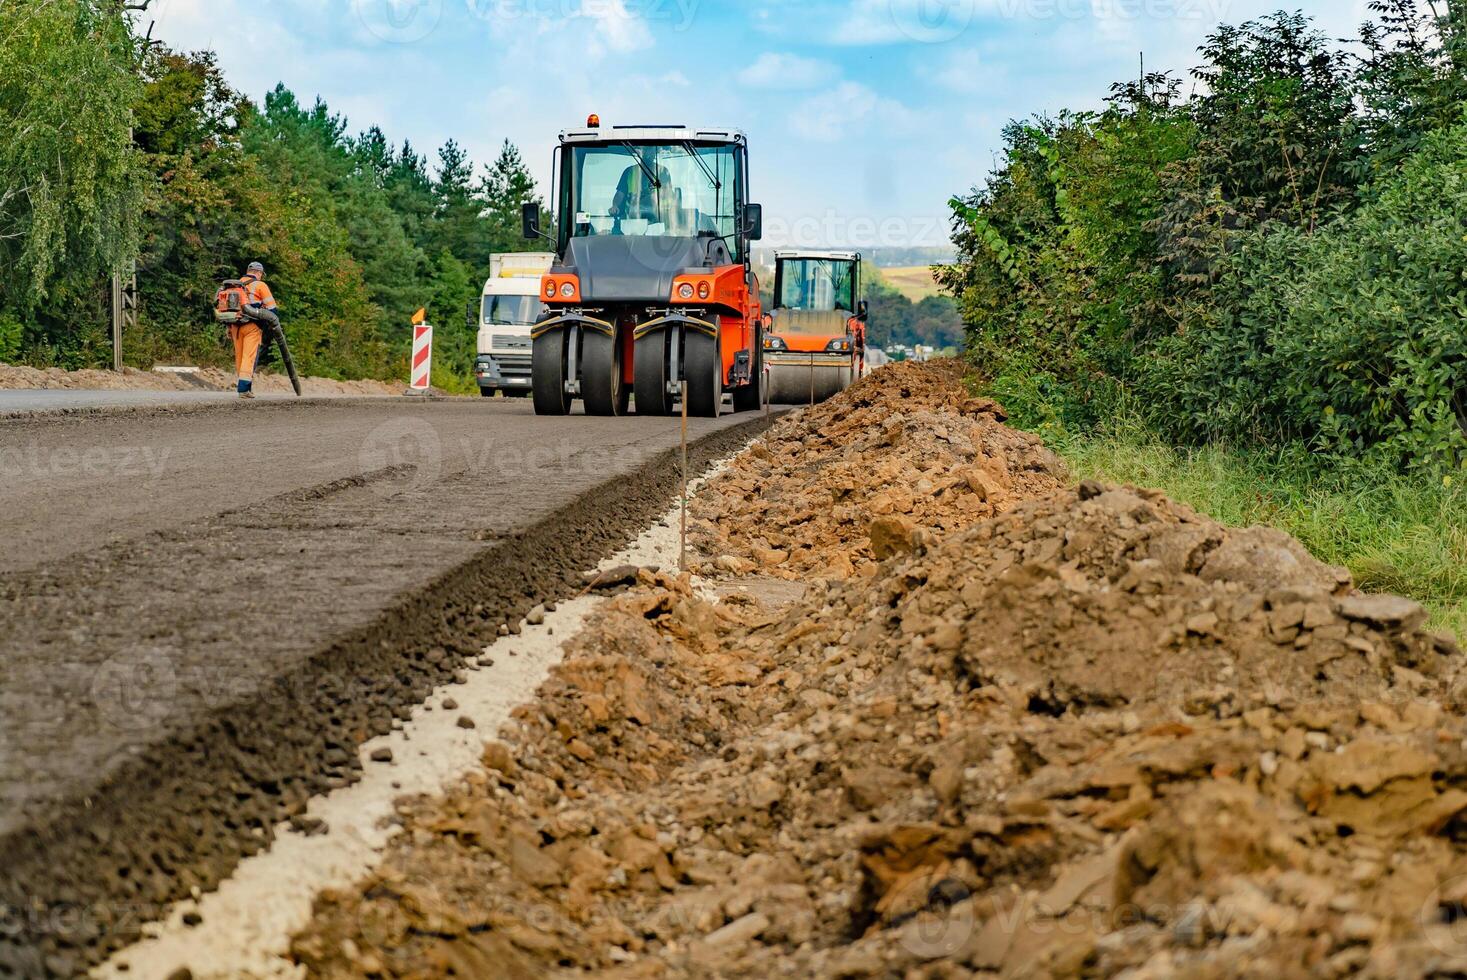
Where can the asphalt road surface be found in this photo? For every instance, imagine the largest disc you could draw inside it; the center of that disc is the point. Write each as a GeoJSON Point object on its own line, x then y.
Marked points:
{"type": "Point", "coordinates": [203, 609]}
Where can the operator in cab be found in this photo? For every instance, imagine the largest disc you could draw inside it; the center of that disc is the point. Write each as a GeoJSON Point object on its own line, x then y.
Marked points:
{"type": "Point", "coordinates": [639, 198]}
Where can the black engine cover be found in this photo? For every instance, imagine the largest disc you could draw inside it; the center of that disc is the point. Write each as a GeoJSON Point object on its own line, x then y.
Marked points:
{"type": "Point", "coordinates": [638, 268]}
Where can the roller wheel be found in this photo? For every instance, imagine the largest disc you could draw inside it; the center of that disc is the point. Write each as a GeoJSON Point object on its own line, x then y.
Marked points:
{"type": "Point", "coordinates": [547, 374]}
{"type": "Point", "coordinates": [750, 398]}
{"type": "Point", "coordinates": [652, 372]}
{"type": "Point", "coordinates": [703, 366]}
{"type": "Point", "coordinates": [601, 383]}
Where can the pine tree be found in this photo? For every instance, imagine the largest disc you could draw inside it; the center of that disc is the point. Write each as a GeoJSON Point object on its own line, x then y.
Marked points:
{"type": "Point", "coordinates": [374, 156]}
{"type": "Point", "coordinates": [508, 187]}
{"type": "Point", "coordinates": [458, 210]}
{"type": "Point", "coordinates": [410, 192]}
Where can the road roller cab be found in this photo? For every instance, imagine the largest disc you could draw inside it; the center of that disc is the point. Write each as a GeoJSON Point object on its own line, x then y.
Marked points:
{"type": "Point", "coordinates": [815, 344]}
{"type": "Point", "coordinates": [652, 285]}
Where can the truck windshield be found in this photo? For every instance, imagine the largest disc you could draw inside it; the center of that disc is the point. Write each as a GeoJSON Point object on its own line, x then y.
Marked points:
{"type": "Point", "coordinates": [817, 284]}
{"type": "Point", "coordinates": [679, 189]}
{"type": "Point", "coordinates": [512, 311]}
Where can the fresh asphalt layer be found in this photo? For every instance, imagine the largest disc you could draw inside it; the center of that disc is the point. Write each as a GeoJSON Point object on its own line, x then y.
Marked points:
{"type": "Point", "coordinates": [204, 610]}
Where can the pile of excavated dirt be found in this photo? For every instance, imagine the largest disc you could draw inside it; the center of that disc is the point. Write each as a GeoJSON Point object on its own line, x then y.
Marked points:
{"type": "Point", "coordinates": [906, 448]}
{"type": "Point", "coordinates": [204, 379]}
{"type": "Point", "coordinates": [1095, 734]}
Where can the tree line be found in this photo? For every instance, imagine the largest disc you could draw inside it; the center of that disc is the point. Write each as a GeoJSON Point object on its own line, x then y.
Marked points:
{"type": "Point", "coordinates": [114, 150]}
{"type": "Point", "coordinates": [931, 321]}
{"type": "Point", "coordinates": [1276, 254]}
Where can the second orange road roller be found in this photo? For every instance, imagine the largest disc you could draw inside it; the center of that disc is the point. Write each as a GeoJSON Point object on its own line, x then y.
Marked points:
{"type": "Point", "coordinates": [816, 342]}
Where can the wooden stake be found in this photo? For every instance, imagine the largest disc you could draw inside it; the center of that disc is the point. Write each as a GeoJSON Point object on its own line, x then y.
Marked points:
{"type": "Point", "coordinates": [682, 562]}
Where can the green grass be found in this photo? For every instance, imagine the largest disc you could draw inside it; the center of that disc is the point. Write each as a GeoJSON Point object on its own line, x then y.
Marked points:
{"type": "Point", "coordinates": [1401, 534]}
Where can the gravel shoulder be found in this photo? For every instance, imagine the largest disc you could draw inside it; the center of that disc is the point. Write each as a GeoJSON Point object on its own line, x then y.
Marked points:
{"type": "Point", "coordinates": [936, 712]}
{"type": "Point", "coordinates": [17, 381]}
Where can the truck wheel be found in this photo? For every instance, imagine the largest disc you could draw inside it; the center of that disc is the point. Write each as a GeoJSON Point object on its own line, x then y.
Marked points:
{"type": "Point", "coordinates": [652, 374]}
{"type": "Point", "coordinates": [750, 398]}
{"type": "Point", "coordinates": [547, 374]}
{"type": "Point", "coordinates": [601, 383]}
{"type": "Point", "coordinates": [703, 365]}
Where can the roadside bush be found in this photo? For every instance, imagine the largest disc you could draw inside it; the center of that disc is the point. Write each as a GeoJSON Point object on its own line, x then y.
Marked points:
{"type": "Point", "coordinates": [1353, 338]}
{"type": "Point", "coordinates": [1061, 279]}
{"type": "Point", "coordinates": [1277, 258]}
{"type": "Point", "coordinates": [11, 338]}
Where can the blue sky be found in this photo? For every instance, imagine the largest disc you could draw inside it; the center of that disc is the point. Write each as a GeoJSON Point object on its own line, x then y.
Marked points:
{"type": "Point", "coordinates": [864, 116]}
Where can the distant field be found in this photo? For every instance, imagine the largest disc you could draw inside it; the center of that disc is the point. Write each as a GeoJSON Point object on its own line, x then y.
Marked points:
{"type": "Point", "coordinates": [915, 282]}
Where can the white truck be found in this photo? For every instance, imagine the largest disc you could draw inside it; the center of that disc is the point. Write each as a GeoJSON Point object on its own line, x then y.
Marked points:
{"type": "Point", "coordinates": [509, 306]}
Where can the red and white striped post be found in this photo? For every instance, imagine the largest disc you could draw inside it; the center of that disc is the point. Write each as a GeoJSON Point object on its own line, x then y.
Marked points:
{"type": "Point", "coordinates": [422, 353]}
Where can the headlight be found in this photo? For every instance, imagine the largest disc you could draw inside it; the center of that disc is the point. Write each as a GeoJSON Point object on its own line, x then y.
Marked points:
{"type": "Point", "coordinates": [774, 343]}
{"type": "Point", "coordinates": [839, 344]}
{"type": "Point", "coordinates": [567, 290]}
{"type": "Point", "coordinates": [685, 291]}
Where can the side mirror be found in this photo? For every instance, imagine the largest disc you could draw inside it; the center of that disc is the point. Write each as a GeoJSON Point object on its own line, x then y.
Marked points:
{"type": "Point", "coordinates": [754, 221]}
{"type": "Point", "coordinates": [532, 220]}
{"type": "Point", "coordinates": [863, 310]}
{"type": "Point", "coordinates": [471, 315]}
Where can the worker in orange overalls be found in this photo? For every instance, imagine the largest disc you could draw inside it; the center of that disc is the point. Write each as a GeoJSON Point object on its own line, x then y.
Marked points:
{"type": "Point", "coordinates": [250, 337]}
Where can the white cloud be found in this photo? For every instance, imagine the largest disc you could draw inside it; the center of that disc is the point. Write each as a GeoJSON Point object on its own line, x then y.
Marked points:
{"type": "Point", "coordinates": [594, 30]}
{"type": "Point", "coordinates": [774, 70]}
{"type": "Point", "coordinates": [617, 27]}
{"type": "Point", "coordinates": [198, 25]}
{"type": "Point", "coordinates": [839, 114]}
{"type": "Point", "coordinates": [962, 71]}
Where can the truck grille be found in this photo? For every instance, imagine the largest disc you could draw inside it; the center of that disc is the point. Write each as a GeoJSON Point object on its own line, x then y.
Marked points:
{"type": "Point", "coordinates": [510, 342]}
{"type": "Point", "coordinates": [514, 365]}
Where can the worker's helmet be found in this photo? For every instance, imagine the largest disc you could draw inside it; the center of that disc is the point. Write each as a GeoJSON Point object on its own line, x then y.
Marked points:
{"type": "Point", "coordinates": [256, 269]}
